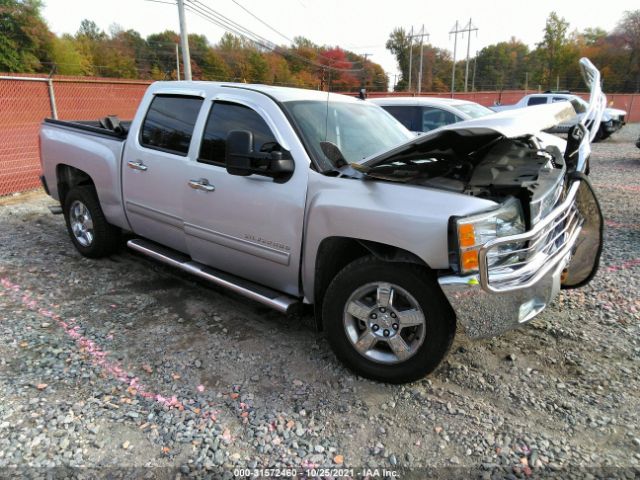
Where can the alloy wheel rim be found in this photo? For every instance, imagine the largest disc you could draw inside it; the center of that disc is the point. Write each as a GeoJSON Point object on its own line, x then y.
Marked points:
{"type": "Point", "coordinates": [384, 323]}
{"type": "Point", "coordinates": [81, 223]}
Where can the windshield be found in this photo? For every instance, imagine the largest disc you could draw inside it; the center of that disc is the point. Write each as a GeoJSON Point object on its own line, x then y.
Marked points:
{"type": "Point", "coordinates": [357, 129]}
{"type": "Point", "coordinates": [474, 110]}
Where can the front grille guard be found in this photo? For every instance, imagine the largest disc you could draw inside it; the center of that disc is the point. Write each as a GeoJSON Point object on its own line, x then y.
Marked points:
{"type": "Point", "coordinates": [520, 261]}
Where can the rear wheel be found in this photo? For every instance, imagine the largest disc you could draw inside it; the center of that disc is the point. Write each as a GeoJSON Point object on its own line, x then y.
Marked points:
{"type": "Point", "coordinates": [88, 228]}
{"type": "Point", "coordinates": [601, 134]}
{"type": "Point", "coordinates": [387, 322]}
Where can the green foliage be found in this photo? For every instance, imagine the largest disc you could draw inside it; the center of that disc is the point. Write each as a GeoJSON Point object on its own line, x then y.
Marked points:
{"type": "Point", "coordinates": [27, 45]}
{"type": "Point", "coordinates": [68, 58]}
{"type": "Point", "coordinates": [628, 31]}
{"type": "Point", "coordinates": [503, 64]}
{"type": "Point", "coordinates": [511, 65]}
{"type": "Point", "coordinates": [399, 43]}
{"type": "Point", "coordinates": [25, 40]}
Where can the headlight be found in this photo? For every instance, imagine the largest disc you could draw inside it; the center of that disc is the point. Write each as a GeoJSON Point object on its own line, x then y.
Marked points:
{"type": "Point", "coordinates": [476, 230]}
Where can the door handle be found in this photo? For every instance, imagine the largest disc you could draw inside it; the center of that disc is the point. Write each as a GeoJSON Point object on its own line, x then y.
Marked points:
{"type": "Point", "coordinates": [201, 184]}
{"type": "Point", "coordinates": [137, 166]}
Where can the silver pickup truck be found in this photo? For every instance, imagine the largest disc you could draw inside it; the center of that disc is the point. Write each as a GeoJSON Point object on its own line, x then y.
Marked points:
{"type": "Point", "coordinates": [292, 197]}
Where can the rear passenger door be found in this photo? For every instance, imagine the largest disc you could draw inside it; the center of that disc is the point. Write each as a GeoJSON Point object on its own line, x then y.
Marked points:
{"type": "Point", "coordinates": [154, 170]}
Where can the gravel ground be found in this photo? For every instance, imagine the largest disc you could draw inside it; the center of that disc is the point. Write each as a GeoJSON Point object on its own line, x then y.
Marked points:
{"type": "Point", "coordinates": [123, 363]}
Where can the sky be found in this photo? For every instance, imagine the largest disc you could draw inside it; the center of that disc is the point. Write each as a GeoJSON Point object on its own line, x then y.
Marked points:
{"type": "Point", "coordinates": [358, 25]}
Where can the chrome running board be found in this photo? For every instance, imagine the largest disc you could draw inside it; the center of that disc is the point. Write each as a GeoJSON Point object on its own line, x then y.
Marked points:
{"type": "Point", "coordinates": [271, 298]}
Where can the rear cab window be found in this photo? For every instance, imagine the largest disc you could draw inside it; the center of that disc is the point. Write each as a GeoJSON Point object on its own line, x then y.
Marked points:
{"type": "Point", "coordinates": [169, 123]}
{"type": "Point", "coordinates": [225, 117]}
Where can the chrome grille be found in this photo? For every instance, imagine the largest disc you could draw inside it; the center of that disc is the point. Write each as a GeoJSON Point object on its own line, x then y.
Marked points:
{"type": "Point", "coordinates": [519, 261]}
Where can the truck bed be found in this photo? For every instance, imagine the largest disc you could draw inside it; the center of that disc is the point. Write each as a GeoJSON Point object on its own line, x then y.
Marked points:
{"type": "Point", "coordinates": [91, 148]}
{"type": "Point", "coordinates": [93, 126]}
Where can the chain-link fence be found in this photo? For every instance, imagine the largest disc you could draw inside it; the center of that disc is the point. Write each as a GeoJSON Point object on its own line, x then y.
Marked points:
{"type": "Point", "coordinates": [26, 101]}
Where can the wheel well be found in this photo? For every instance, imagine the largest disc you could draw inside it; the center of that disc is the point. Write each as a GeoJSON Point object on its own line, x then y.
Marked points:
{"type": "Point", "coordinates": [335, 253]}
{"type": "Point", "coordinates": [69, 177]}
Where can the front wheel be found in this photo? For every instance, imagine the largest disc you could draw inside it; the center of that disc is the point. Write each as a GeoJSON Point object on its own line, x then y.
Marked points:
{"type": "Point", "coordinates": [387, 321]}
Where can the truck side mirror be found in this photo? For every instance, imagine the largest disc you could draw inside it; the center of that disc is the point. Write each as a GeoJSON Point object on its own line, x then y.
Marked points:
{"type": "Point", "coordinates": [238, 152]}
{"type": "Point", "coordinates": [241, 160]}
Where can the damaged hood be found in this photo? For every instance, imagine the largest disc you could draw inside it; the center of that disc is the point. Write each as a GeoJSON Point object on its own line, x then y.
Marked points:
{"type": "Point", "coordinates": [510, 124]}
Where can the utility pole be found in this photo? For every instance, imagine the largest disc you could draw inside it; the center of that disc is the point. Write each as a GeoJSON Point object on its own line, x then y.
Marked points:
{"type": "Point", "coordinates": [364, 71]}
{"type": "Point", "coordinates": [184, 38]}
{"type": "Point", "coordinates": [410, 57]}
{"type": "Point", "coordinates": [469, 28]}
{"type": "Point", "coordinates": [455, 32]}
{"type": "Point", "coordinates": [475, 67]}
{"type": "Point", "coordinates": [422, 34]}
{"type": "Point", "coordinates": [526, 83]}
{"type": "Point", "coordinates": [177, 62]}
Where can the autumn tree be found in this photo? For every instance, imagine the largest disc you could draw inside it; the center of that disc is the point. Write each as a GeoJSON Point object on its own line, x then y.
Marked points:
{"type": "Point", "coordinates": [399, 44]}
{"type": "Point", "coordinates": [555, 51]}
{"type": "Point", "coordinates": [629, 30]}
{"type": "Point", "coordinates": [26, 42]}
{"type": "Point", "coordinates": [68, 58]}
{"type": "Point", "coordinates": [503, 65]}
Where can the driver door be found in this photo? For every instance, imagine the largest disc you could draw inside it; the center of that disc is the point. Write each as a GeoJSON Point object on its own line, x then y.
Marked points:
{"type": "Point", "coordinates": [248, 226]}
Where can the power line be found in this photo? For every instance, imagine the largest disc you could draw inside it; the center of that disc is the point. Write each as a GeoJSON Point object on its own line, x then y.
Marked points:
{"type": "Point", "coordinates": [283, 35]}
{"type": "Point", "coordinates": [197, 7]}
{"type": "Point", "coordinates": [208, 13]}
{"type": "Point", "coordinates": [263, 22]}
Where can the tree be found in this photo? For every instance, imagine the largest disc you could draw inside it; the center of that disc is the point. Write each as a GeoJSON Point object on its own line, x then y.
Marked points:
{"type": "Point", "coordinates": [399, 43]}
{"type": "Point", "coordinates": [340, 78]}
{"type": "Point", "coordinates": [90, 30]}
{"type": "Point", "coordinates": [554, 51]}
{"type": "Point", "coordinates": [502, 66]}
{"type": "Point", "coordinates": [142, 53]}
{"type": "Point", "coordinates": [163, 51]}
{"type": "Point", "coordinates": [629, 30]}
{"type": "Point", "coordinates": [26, 42]}
{"type": "Point", "coordinates": [68, 58]}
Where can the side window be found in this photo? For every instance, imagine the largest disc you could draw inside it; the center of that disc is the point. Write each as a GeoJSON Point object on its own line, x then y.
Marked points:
{"type": "Point", "coordinates": [225, 117]}
{"type": "Point", "coordinates": [405, 115]}
{"type": "Point", "coordinates": [537, 101]}
{"type": "Point", "coordinates": [559, 99]}
{"type": "Point", "coordinates": [169, 123]}
{"type": "Point", "coordinates": [433, 118]}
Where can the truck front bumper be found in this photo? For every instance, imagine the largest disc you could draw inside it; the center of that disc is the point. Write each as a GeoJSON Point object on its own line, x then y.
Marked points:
{"type": "Point", "coordinates": [561, 251]}
{"type": "Point", "coordinates": [487, 314]}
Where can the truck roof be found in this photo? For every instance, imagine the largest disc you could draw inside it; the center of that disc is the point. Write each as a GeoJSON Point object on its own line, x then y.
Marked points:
{"type": "Point", "coordinates": [281, 94]}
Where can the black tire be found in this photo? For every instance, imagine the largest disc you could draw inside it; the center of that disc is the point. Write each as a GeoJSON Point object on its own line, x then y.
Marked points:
{"type": "Point", "coordinates": [601, 134]}
{"type": "Point", "coordinates": [439, 327]}
{"type": "Point", "coordinates": [105, 238]}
